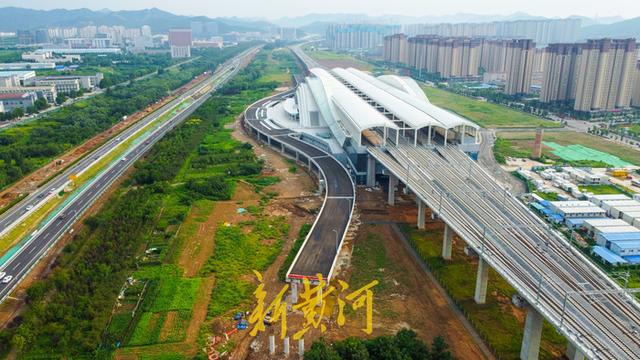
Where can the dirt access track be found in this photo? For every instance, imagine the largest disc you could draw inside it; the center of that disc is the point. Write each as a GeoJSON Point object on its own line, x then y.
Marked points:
{"type": "Point", "coordinates": [37, 178]}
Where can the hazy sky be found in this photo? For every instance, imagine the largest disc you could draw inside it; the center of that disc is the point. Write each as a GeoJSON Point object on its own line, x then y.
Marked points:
{"type": "Point", "coordinates": [278, 8]}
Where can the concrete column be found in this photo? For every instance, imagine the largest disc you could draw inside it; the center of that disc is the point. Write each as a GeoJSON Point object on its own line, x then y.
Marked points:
{"type": "Point", "coordinates": [297, 156]}
{"type": "Point", "coordinates": [282, 148]}
{"type": "Point", "coordinates": [446, 132]}
{"type": "Point", "coordinates": [391, 196]}
{"type": "Point", "coordinates": [532, 333]}
{"type": "Point", "coordinates": [421, 214]}
{"type": "Point", "coordinates": [319, 295]}
{"type": "Point", "coordinates": [429, 140]}
{"type": "Point", "coordinates": [301, 347]}
{"type": "Point", "coordinates": [481, 281]}
{"type": "Point", "coordinates": [272, 344]}
{"type": "Point", "coordinates": [269, 141]}
{"type": "Point", "coordinates": [447, 242]}
{"type": "Point", "coordinates": [371, 171]}
{"type": "Point", "coordinates": [286, 346]}
{"type": "Point", "coordinates": [573, 353]}
{"type": "Point", "coordinates": [294, 292]}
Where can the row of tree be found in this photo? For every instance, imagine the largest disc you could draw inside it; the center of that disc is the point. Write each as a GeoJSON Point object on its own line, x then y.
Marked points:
{"type": "Point", "coordinates": [404, 345]}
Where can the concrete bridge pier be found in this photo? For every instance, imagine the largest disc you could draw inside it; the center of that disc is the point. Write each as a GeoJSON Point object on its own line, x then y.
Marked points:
{"type": "Point", "coordinates": [294, 292]}
{"type": "Point", "coordinates": [530, 348]}
{"type": "Point", "coordinates": [482, 279]}
{"type": "Point", "coordinates": [573, 353]}
{"type": "Point", "coordinates": [447, 242]}
{"type": "Point", "coordinates": [391, 196]}
{"type": "Point", "coordinates": [371, 171]}
{"type": "Point", "coordinates": [422, 207]}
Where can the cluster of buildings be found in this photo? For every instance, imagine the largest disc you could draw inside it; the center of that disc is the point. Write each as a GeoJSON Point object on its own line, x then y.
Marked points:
{"type": "Point", "coordinates": [598, 75]}
{"type": "Point", "coordinates": [612, 222]}
{"type": "Point", "coordinates": [369, 37]}
{"type": "Point", "coordinates": [22, 88]}
{"type": "Point", "coordinates": [540, 31]}
{"type": "Point", "coordinates": [462, 57]}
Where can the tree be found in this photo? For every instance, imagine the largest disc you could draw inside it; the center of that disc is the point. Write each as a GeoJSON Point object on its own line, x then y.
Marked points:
{"type": "Point", "coordinates": [408, 342]}
{"type": "Point", "coordinates": [440, 349]}
{"type": "Point", "coordinates": [320, 350]}
{"type": "Point", "coordinates": [17, 112]}
{"type": "Point", "coordinates": [351, 349]}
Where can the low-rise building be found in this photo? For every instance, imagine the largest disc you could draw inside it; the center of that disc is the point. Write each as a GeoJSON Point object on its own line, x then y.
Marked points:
{"type": "Point", "coordinates": [47, 92]}
{"type": "Point", "coordinates": [27, 66]}
{"type": "Point", "coordinates": [15, 78]}
{"type": "Point", "coordinates": [63, 85]}
{"type": "Point", "coordinates": [22, 100]}
{"type": "Point", "coordinates": [598, 199]}
{"type": "Point", "coordinates": [67, 83]}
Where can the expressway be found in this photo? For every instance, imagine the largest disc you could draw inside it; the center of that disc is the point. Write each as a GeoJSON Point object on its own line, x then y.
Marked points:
{"type": "Point", "coordinates": [45, 237]}
{"type": "Point", "coordinates": [580, 300]}
{"type": "Point", "coordinates": [319, 251]}
{"type": "Point", "coordinates": [12, 217]}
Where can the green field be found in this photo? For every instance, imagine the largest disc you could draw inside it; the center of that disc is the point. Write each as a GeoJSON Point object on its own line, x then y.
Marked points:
{"type": "Point", "coordinates": [521, 142]}
{"type": "Point", "coordinates": [336, 59]}
{"type": "Point", "coordinates": [485, 114]}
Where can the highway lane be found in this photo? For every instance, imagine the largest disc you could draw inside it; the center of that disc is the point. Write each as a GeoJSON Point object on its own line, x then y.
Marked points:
{"type": "Point", "coordinates": [21, 263]}
{"type": "Point", "coordinates": [319, 251]}
{"type": "Point", "coordinates": [12, 217]}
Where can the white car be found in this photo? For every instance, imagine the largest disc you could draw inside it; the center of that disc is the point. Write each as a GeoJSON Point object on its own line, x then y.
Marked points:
{"type": "Point", "coordinates": [2, 274]}
{"type": "Point", "coordinates": [7, 279]}
{"type": "Point", "coordinates": [29, 207]}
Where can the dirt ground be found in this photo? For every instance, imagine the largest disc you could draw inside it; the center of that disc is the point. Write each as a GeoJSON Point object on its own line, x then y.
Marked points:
{"type": "Point", "coordinates": [295, 198]}
{"type": "Point", "coordinates": [32, 181]}
{"type": "Point", "coordinates": [415, 302]}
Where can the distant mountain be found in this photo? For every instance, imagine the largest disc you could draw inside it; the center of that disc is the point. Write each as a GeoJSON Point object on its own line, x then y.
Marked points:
{"type": "Point", "coordinates": [13, 18]}
{"type": "Point", "coordinates": [587, 21]}
{"type": "Point", "coordinates": [622, 29]}
{"type": "Point", "coordinates": [306, 20]}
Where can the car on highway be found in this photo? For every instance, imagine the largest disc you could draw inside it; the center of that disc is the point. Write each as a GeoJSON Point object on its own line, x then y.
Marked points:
{"type": "Point", "coordinates": [123, 159]}
{"type": "Point", "coordinates": [29, 207]}
{"type": "Point", "coordinates": [2, 274]}
{"type": "Point", "coordinates": [52, 190]}
{"type": "Point", "coordinates": [7, 279]}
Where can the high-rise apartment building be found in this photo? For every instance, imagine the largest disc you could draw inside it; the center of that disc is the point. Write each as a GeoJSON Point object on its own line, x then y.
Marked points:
{"type": "Point", "coordinates": [541, 31]}
{"type": "Point", "coordinates": [358, 36]}
{"type": "Point", "coordinates": [604, 75]}
{"type": "Point", "coordinates": [559, 77]}
{"type": "Point", "coordinates": [635, 96]}
{"type": "Point", "coordinates": [180, 42]}
{"type": "Point", "coordinates": [449, 57]}
{"type": "Point", "coordinates": [519, 66]}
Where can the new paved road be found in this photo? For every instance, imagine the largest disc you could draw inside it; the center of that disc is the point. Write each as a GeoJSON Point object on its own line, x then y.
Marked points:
{"type": "Point", "coordinates": [319, 251]}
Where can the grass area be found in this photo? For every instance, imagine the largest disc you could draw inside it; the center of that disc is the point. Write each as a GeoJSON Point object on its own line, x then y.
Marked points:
{"type": "Point", "coordinates": [331, 58]}
{"type": "Point", "coordinates": [239, 250]}
{"type": "Point", "coordinates": [607, 189]}
{"type": "Point", "coordinates": [523, 141]}
{"type": "Point", "coordinates": [483, 113]}
{"type": "Point", "coordinates": [495, 321]}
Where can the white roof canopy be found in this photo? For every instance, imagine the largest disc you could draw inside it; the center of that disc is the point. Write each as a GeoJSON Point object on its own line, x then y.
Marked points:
{"type": "Point", "coordinates": [425, 109]}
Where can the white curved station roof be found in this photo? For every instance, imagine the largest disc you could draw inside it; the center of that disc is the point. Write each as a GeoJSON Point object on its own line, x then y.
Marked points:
{"type": "Point", "coordinates": [360, 114]}
{"type": "Point", "coordinates": [405, 84]}
{"type": "Point", "coordinates": [404, 103]}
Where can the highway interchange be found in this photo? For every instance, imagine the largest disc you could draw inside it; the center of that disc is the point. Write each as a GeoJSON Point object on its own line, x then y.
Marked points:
{"type": "Point", "coordinates": [43, 239]}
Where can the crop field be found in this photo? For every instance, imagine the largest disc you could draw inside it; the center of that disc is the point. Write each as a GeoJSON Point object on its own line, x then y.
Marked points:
{"type": "Point", "coordinates": [484, 113]}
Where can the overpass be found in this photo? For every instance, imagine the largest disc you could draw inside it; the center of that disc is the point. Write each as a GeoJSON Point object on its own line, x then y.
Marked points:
{"type": "Point", "coordinates": [319, 251]}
